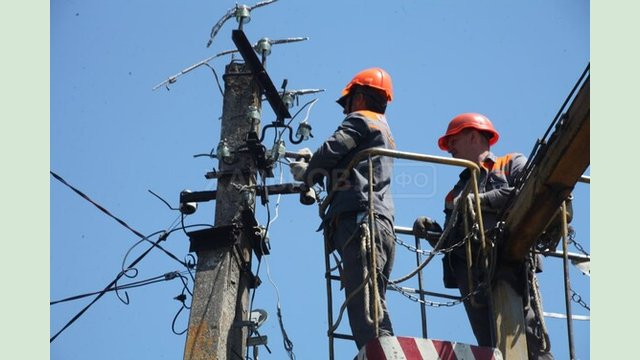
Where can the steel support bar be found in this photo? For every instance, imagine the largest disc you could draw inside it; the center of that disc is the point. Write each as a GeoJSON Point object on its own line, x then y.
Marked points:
{"type": "Point", "coordinates": [276, 189]}
{"type": "Point", "coordinates": [250, 57]}
{"type": "Point", "coordinates": [473, 167]}
{"type": "Point", "coordinates": [423, 307]}
{"type": "Point", "coordinates": [567, 281]}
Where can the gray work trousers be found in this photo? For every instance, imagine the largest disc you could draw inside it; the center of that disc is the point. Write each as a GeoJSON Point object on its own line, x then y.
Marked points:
{"type": "Point", "coordinates": [344, 234]}
{"type": "Point", "coordinates": [480, 317]}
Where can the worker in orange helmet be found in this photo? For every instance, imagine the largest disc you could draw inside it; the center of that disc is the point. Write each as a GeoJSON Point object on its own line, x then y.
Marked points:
{"type": "Point", "coordinates": [364, 101]}
{"type": "Point", "coordinates": [469, 136]}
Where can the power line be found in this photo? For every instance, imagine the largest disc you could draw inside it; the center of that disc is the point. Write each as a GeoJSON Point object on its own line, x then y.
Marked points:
{"type": "Point", "coordinates": [120, 221]}
{"type": "Point", "coordinates": [107, 288]}
{"type": "Point", "coordinates": [156, 279]}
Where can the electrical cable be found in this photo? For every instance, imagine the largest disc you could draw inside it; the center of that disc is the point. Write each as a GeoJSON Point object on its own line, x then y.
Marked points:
{"type": "Point", "coordinates": [104, 210]}
{"type": "Point", "coordinates": [216, 76]}
{"type": "Point", "coordinates": [181, 298]}
{"type": "Point", "coordinates": [59, 178]}
{"type": "Point", "coordinates": [277, 207]}
{"type": "Point", "coordinates": [156, 279]}
{"type": "Point", "coordinates": [288, 344]}
{"type": "Point", "coordinates": [312, 102]}
{"type": "Point", "coordinates": [111, 285]}
{"type": "Point", "coordinates": [173, 323]}
{"type": "Point", "coordinates": [104, 291]}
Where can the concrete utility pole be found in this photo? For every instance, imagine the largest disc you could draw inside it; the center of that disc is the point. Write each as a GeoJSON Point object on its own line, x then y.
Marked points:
{"type": "Point", "coordinates": [221, 290]}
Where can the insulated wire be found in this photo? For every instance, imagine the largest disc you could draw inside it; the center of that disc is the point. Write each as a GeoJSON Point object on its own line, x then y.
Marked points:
{"type": "Point", "coordinates": [120, 221]}
{"type": "Point", "coordinates": [311, 103]}
{"type": "Point", "coordinates": [115, 281]}
{"type": "Point", "coordinates": [277, 207]}
{"type": "Point", "coordinates": [140, 283]}
{"type": "Point", "coordinates": [288, 344]}
{"type": "Point", "coordinates": [104, 291]}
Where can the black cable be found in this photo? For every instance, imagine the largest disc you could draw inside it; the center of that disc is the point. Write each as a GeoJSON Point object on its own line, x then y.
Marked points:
{"type": "Point", "coordinates": [294, 116]}
{"type": "Point", "coordinates": [161, 199]}
{"type": "Point", "coordinates": [216, 76]}
{"type": "Point", "coordinates": [149, 281]}
{"type": "Point", "coordinates": [161, 238]}
{"type": "Point", "coordinates": [116, 288]}
{"type": "Point", "coordinates": [182, 297]}
{"type": "Point", "coordinates": [185, 284]}
{"type": "Point", "coordinates": [191, 265]}
{"type": "Point", "coordinates": [112, 286]}
{"type": "Point", "coordinates": [59, 178]}
{"type": "Point", "coordinates": [173, 323]}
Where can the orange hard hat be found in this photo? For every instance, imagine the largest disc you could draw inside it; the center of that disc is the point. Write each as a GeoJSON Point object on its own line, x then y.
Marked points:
{"type": "Point", "coordinates": [469, 121]}
{"type": "Point", "coordinates": [373, 77]}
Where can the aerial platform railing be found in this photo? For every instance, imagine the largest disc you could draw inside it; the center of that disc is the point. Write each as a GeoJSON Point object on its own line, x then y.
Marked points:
{"type": "Point", "coordinates": [472, 187]}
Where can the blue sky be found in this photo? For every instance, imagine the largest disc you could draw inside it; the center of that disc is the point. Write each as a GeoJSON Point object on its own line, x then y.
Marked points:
{"type": "Point", "coordinates": [114, 138]}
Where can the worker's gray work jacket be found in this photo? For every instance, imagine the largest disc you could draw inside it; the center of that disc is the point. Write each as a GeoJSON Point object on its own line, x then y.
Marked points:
{"type": "Point", "coordinates": [360, 130]}
{"type": "Point", "coordinates": [495, 185]}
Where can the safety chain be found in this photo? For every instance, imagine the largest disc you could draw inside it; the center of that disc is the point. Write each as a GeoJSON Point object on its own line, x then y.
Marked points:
{"type": "Point", "coordinates": [572, 240]}
{"type": "Point", "coordinates": [575, 297]}
{"type": "Point", "coordinates": [428, 252]}
{"type": "Point", "coordinates": [412, 248]}
{"type": "Point", "coordinates": [535, 299]}
{"type": "Point", "coordinates": [434, 303]}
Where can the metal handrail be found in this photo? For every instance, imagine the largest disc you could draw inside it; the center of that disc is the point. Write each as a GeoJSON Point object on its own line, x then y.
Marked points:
{"type": "Point", "coordinates": [398, 155]}
{"type": "Point", "coordinates": [368, 154]}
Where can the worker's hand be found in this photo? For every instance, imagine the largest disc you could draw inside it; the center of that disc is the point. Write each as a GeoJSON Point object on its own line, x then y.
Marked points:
{"type": "Point", "coordinates": [424, 224]}
{"type": "Point", "coordinates": [298, 168]}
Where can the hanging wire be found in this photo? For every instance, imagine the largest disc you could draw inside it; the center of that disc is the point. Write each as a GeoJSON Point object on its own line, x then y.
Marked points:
{"type": "Point", "coordinates": [120, 221]}
{"type": "Point", "coordinates": [156, 279]}
{"type": "Point", "coordinates": [215, 75]}
{"type": "Point", "coordinates": [173, 323]}
{"type": "Point", "coordinates": [59, 178]}
{"type": "Point", "coordinates": [308, 103]}
{"type": "Point", "coordinates": [192, 264]}
{"type": "Point", "coordinates": [111, 286]}
{"type": "Point", "coordinates": [107, 288]}
{"type": "Point", "coordinates": [161, 199]}
{"type": "Point", "coordinates": [277, 207]}
{"type": "Point", "coordinates": [287, 343]}
{"type": "Point", "coordinates": [181, 298]}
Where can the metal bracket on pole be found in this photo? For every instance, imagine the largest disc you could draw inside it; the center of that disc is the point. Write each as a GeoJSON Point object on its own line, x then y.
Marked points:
{"type": "Point", "coordinates": [250, 57]}
{"type": "Point", "coordinates": [257, 235]}
{"type": "Point", "coordinates": [276, 189]}
{"type": "Point", "coordinates": [214, 238]}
